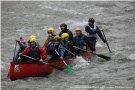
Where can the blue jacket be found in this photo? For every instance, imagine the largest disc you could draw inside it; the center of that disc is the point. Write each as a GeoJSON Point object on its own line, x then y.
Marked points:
{"type": "Point", "coordinates": [51, 49]}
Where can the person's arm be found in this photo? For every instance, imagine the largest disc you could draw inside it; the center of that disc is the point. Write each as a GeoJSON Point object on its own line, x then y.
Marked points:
{"type": "Point", "coordinates": [88, 30]}
{"type": "Point", "coordinates": [60, 34]}
{"type": "Point", "coordinates": [89, 44]}
{"type": "Point", "coordinates": [43, 53]}
{"type": "Point", "coordinates": [26, 51]}
{"type": "Point", "coordinates": [73, 41]}
{"type": "Point", "coordinates": [70, 36]}
{"type": "Point", "coordinates": [23, 46]}
{"type": "Point", "coordinates": [44, 45]}
{"type": "Point", "coordinates": [62, 52]}
{"type": "Point", "coordinates": [100, 35]}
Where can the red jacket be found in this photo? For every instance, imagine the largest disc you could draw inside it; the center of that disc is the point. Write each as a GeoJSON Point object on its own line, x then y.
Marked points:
{"type": "Point", "coordinates": [39, 52]}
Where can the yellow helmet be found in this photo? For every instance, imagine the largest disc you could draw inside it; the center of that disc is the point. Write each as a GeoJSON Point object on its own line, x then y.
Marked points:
{"type": "Point", "coordinates": [78, 29]}
{"type": "Point", "coordinates": [32, 36]}
{"type": "Point", "coordinates": [33, 40]}
{"type": "Point", "coordinates": [64, 35]}
{"type": "Point", "coordinates": [57, 36]}
{"type": "Point", "coordinates": [51, 30]}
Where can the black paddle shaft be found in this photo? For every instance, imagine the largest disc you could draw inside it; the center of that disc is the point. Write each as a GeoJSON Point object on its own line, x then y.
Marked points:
{"type": "Point", "coordinates": [106, 42]}
{"type": "Point", "coordinates": [15, 50]}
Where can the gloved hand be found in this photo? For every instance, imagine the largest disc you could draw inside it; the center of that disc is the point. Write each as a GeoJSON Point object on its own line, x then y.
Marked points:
{"type": "Point", "coordinates": [105, 41]}
{"type": "Point", "coordinates": [74, 47]}
{"type": "Point", "coordinates": [61, 57]}
{"type": "Point", "coordinates": [20, 54]}
{"type": "Point", "coordinates": [17, 40]}
{"type": "Point", "coordinates": [41, 60]}
{"type": "Point", "coordinates": [101, 30]}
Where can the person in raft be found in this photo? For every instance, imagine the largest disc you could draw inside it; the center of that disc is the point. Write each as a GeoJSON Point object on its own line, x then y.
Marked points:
{"type": "Point", "coordinates": [21, 43]}
{"type": "Point", "coordinates": [66, 44]}
{"type": "Point", "coordinates": [91, 31]}
{"type": "Point", "coordinates": [55, 50]}
{"type": "Point", "coordinates": [34, 51]}
{"type": "Point", "coordinates": [50, 38]}
{"type": "Point", "coordinates": [64, 29]}
{"type": "Point", "coordinates": [23, 46]}
{"type": "Point", "coordinates": [79, 42]}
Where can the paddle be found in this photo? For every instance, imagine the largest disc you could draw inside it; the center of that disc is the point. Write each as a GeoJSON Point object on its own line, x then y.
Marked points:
{"type": "Point", "coordinates": [14, 50]}
{"type": "Point", "coordinates": [68, 68]}
{"type": "Point", "coordinates": [99, 55]}
{"type": "Point", "coordinates": [106, 41]}
{"type": "Point", "coordinates": [68, 50]}
{"type": "Point", "coordinates": [52, 65]}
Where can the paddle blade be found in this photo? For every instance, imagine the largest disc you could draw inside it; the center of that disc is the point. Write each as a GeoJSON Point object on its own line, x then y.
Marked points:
{"type": "Point", "coordinates": [103, 56]}
{"type": "Point", "coordinates": [69, 69]}
{"type": "Point", "coordinates": [56, 67]}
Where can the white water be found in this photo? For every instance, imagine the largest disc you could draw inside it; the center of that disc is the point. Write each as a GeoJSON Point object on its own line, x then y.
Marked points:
{"type": "Point", "coordinates": [33, 18]}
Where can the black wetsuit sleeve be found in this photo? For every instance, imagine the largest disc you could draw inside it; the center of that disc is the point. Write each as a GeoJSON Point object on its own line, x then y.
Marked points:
{"type": "Point", "coordinates": [70, 35]}
{"type": "Point", "coordinates": [100, 35]}
{"type": "Point", "coordinates": [73, 41]}
{"type": "Point", "coordinates": [88, 30]}
{"type": "Point", "coordinates": [60, 34]}
{"type": "Point", "coordinates": [89, 43]}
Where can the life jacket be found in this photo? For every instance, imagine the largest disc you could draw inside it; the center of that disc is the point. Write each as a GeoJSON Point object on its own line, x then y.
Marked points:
{"type": "Point", "coordinates": [65, 45]}
{"type": "Point", "coordinates": [34, 52]}
{"type": "Point", "coordinates": [80, 41]}
{"type": "Point", "coordinates": [50, 39]}
{"type": "Point", "coordinates": [93, 29]}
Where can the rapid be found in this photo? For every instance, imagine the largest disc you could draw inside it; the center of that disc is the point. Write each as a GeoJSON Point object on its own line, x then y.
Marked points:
{"type": "Point", "coordinates": [25, 18]}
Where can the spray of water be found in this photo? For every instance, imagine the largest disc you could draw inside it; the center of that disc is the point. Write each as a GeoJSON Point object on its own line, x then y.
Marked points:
{"type": "Point", "coordinates": [80, 63]}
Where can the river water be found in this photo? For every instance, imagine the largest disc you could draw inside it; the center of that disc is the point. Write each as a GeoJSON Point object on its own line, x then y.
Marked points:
{"type": "Point", "coordinates": [21, 18]}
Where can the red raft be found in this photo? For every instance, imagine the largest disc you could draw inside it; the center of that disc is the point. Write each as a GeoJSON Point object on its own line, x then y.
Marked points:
{"type": "Point", "coordinates": [23, 70]}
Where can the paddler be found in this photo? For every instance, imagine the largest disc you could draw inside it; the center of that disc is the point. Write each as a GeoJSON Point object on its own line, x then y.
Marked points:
{"type": "Point", "coordinates": [55, 50]}
{"type": "Point", "coordinates": [34, 51]}
{"type": "Point", "coordinates": [49, 39]}
{"type": "Point", "coordinates": [66, 45]}
{"type": "Point", "coordinates": [28, 42]}
{"type": "Point", "coordinates": [91, 31]}
{"type": "Point", "coordinates": [21, 43]}
{"type": "Point", "coordinates": [64, 29]}
{"type": "Point", "coordinates": [80, 41]}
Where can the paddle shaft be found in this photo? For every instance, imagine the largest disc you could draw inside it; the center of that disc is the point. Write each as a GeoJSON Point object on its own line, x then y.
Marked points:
{"type": "Point", "coordinates": [54, 66]}
{"type": "Point", "coordinates": [70, 69]}
{"type": "Point", "coordinates": [106, 42]}
{"type": "Point", "coordinates": [82, 49]}
{"type": "Point", "coordinates": [62, 59]}
{"type": "Point", "coordinates": [15, 50]}
{"type": "Point", "coordinates": [68, 50]}
{"type": "Point", "coordinates": [99, 55]}
{"type": "Point", "coordinates": [28, 57]}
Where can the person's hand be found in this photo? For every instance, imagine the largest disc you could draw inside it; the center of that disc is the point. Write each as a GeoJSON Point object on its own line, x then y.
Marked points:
{"type": "Point", "coordinates": [20, 54]}
{"type": "Point", "coordinates": [41, 60]}
{"type": "Point", "coordinates": [49, 43]}
{"type": "Point", "coordinates": [61, 57]}
{"type": "Point", "coordinates": [50, 34]}
{"type": "Point", "coordinates": [74, 47]}
{"type": "Point", "coordinates": [105, 41]}
{"type": "Point", "coordinates": [101, 30]}
{"type": "Point", "coordinates": [17, 40]}
{"type": "Point", "coordinates": [94, 52]}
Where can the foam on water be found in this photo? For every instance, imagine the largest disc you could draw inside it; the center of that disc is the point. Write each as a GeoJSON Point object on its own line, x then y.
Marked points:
{"type": "Point", "coordinates": [80, 63]}
{"type": "Point", "coordinates": [98, 45]}
{"type": "Point", "coordinates": [35, 18]}
{"type": "Point", "coordinates": [132, 56]}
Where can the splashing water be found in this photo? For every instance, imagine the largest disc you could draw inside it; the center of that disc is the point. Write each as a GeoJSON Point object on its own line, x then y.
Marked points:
{"type": "Point", "coordinates": [132, 57]}
{"type": "Point", "coordinates": [80, 63]}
